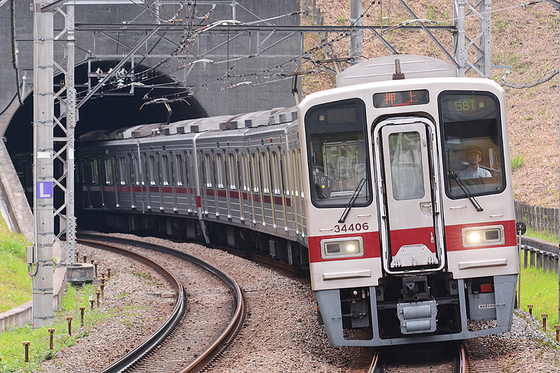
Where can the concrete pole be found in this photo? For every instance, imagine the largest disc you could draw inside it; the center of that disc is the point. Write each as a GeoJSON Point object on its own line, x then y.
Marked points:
{"type": "Point", "coordinates": [43, 114]}
{"type": "Point", "coordinates": [356, 37]}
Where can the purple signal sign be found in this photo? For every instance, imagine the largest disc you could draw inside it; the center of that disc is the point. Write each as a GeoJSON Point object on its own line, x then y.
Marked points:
{"type": "Point", "coordinates": [44, 189]}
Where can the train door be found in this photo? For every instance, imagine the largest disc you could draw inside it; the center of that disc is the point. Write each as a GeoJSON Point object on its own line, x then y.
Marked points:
{"type": "Point", "coordinates": [411, 230]}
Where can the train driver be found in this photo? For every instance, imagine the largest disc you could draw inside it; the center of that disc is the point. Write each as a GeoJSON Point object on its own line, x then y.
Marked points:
{"type": "Point", "coordinates": [473, 155]}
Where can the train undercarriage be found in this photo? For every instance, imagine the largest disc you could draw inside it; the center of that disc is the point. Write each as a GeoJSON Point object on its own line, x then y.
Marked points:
{"type": "Point", "coordinates": [419, 308]}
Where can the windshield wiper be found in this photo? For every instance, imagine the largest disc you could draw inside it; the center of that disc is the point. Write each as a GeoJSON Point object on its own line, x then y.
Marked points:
{"type": "Point", "coordinates": [466, 191]}
{"type": "Point", "coordinates": [352, 200]}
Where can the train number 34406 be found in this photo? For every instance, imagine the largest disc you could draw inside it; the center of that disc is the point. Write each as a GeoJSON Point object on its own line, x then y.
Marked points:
{"type": "Point", "coordinates": [351, 228]}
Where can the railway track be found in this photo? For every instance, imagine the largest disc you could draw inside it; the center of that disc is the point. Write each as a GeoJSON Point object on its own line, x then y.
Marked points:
{"type": "Point", "coordinates": [440, 358]}
{"type": "Point", "coordinates": [163, 350]}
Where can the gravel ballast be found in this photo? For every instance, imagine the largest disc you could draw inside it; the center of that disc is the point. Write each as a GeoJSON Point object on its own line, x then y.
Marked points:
{"type": "Point", "coordinates": [281, 333]}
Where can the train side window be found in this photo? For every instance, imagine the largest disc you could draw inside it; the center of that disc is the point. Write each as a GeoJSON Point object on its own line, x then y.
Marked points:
{"type": "Point", "coordinates": [165, 170]}
{"type": "Point", "coordinates": [295, 176]}
{"type": "Point", "coordinates": [179, 169]}
{"type": "Point", "coordinates": [244, 177]}
{"type": "Point", "coordinates": [188, 166]}
{"type": "Point", "coordinates": [472, 143]}
{"type": "Point", "coordinates": [220, 170]}
{"type": "Point", "coordinates": [131, 169]}
{"type": "Point", "coordinates": [255, 173]}
{"type": "Point", "coordinates": [108, 171]}
{"type": "Point", "coordinates": [338, 154]}
{"type": "Point", "coordinates": [95, 172]}
{"type": "Point", "coordinates": [284, 173]}
{"type": "Point", "coordinates": [275, 172]}
{"type": "Point", "coordinates": [208, 171]}
{"type": "Point", "coordinates": [152, 171]}
{"type": "Point", "coordinates": [232, 171]}
{"type": "Point", "coordinates": [123, 173]}
{"type": "Point", "coordinates": [265, 173]}
{"type": "Point", "coordinates": [137, 170]}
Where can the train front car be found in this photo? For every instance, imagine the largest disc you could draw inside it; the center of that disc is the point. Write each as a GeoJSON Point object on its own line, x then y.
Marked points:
{"type": "Point", "coordinates": [410, 215]}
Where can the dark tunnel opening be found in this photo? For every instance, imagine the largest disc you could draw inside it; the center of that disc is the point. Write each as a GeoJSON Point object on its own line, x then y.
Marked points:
{"type": "Point", "coordinates": [125, 100]}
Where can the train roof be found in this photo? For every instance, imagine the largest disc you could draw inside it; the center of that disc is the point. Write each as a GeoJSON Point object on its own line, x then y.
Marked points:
{"type": "Point", "coordinates": [216, 123]}
{"type": "Point", "coordinates": [383, 69]}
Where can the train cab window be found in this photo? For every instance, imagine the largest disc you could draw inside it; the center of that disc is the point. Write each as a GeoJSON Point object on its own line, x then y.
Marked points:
{"type": "Point", "coordinates": [338, 154]}
{"type": "Point", "coordinates": [472, 144]}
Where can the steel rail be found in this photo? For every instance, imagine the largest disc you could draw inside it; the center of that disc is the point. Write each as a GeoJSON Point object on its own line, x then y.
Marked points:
{"type": "Point", "coordinates": [164, 330]}
{"type": "Point", "coordinates": [234, 325]}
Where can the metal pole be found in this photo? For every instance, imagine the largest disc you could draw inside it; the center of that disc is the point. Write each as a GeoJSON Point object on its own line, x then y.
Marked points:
{"type": "Point", "coordinates": [71, 120]}
{"type": "Point", "coordinates": [43, 113]}
{"type": "Point", "coordinates": [558, 8]}
{"type": "Point", "coordinates": [356, 37]}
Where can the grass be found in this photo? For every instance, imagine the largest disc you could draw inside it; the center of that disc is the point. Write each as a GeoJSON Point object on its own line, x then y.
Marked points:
{"type": "Point", "coordinates": [14, 284]}
{"type": "Point", "coordinates": [543, 235]}
{"type": "Point", "coordinates": [541, 290]}
{"type": "Point", "coordinates": [11, 342]}
{"type": "Point", "coordinates": [517, 161]}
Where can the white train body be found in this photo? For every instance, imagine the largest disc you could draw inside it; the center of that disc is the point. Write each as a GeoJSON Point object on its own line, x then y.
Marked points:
{"type": "Point", "coordinates": [368, 185]}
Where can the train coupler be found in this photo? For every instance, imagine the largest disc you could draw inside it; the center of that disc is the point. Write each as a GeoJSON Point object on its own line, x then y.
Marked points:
{"type": "Point", "coordinates": [417, 317]}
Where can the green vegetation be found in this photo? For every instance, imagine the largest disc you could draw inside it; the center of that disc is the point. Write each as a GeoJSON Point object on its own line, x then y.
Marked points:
{"type": "Point", "coordinates": [14, 285]}
{"type": "Point", "coordinates": [517, 161]}
{"type": "Point", "coordinates": [543, 235]}
{"type": "Point", "coordinates": [541, 290]}
{"type": "Point", "coordinates": [11, 342]}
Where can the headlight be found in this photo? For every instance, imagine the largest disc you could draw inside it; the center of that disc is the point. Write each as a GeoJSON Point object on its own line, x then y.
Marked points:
{"type": "Point", "coordinates": [483, 236]}
{"type": "Point", "coordinates": [342, 248]}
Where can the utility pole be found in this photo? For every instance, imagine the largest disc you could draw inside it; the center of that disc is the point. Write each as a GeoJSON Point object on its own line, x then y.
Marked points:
{"type": "Point", "coordinates": [43, 113]}
{"type": "Point", "coordinates": [356, 37]}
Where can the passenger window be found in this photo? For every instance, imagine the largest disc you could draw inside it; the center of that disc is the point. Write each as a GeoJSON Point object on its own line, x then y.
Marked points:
{"type": "Point", "coordinates": [265, 172]}
{"type": "Point", "coordinates": [473, 149]}
{"type": "Point", "coordinates": [165, 169]}
{"type": "Point", "coordinates": [179, 169]}
{"type": "Point", "coordinates": [108, 171]}
{"type": "Point", "coordinates": [124, 174]}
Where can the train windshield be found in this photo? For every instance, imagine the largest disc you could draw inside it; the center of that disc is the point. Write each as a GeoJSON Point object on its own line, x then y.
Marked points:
{"type": "Point", "coordinates": [337, 150]}
{"type": "Point", "coordinates": [472, 144]}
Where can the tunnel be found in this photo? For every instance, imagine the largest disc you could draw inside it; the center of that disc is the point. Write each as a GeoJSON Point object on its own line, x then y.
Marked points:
{"type": "Point", "coordinates": [131, 97]}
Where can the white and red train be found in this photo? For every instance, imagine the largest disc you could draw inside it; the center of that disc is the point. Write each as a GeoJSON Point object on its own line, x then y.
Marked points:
{"type": "Point", "coordinates": [397, 193]}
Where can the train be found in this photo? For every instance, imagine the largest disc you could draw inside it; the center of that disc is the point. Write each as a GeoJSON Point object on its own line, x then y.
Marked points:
{"type": "Point", "coordinates": [394, 189]}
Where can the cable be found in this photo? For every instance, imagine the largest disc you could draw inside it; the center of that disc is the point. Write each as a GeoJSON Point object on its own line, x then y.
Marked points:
{"type": "Point", "coordinates": [14, 54]}
{"type": "Point", "coordinates": [504, 83]}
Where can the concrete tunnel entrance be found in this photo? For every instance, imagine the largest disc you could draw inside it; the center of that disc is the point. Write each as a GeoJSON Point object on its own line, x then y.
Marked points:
{"type": "Point", "coordinates": [118, 104]}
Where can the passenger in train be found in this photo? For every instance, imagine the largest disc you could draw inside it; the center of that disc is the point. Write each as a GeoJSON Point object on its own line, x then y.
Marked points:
{"type": "Point", "coordinates": [473, 155]}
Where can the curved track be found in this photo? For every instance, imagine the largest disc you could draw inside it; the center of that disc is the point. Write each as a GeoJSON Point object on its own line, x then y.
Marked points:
{"type": "Point", "coordinates": [142, 352]}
